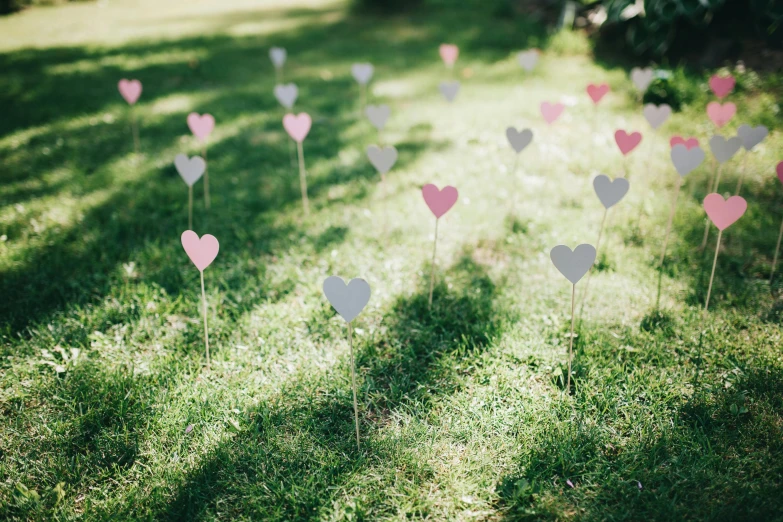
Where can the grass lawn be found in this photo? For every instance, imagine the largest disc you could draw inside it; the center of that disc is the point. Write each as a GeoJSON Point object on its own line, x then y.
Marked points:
{"type": "Point", "coordinates": [107, 410]}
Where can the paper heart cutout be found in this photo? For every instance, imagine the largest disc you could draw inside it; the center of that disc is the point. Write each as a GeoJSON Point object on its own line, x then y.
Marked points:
{"type": "Point", "coordinates": [689, 143]}
{"type": "Point", "coordinates": [191, 169]}
{"type": "Point", "coordinates": [722, 85]}
{"type": "Point", "coordinates": [201, 251]}
{"type": "Point", "coordinates": [721, 114]}
{"type": "Point", "coordinates": [779, 170]}
{"type": "Point", "coordinates": [383, 159]}
{"type": "Point", "coordinates": [596, 92]}
{"type": "Point", "coordinates": [362, 72]}
{"type": "Point", "coordinates": [627, 142]}
{"type": "Point", "coordinates": [449, 53]}
{"type": "Point", "coordinates": [528, 59]}
{"type": "Point", "coordinates": [724, 149]}
{"type": "Point", "coordinates": [723, 213]}
{"type": "Point", "coordinates": [752, 136]}
{"type": "Point", "coordinates": [656, 115]}
{"type": "Point", "coordinates": [201, 125]}
{"type": "Point", "coordinates": [551, 112]}
{"type": "Point", "coordinates": [297, 126]}
{"type": "Point", "coordinates": [686, 160]}
{"type": "Point", "coordinates": [440, 201]}
{"type": "Point", "coordinates": [519, 139]}
{"type": "Point", "coordinates": [609, 191]}
{"type": "Point", "coordinates": [130, 90]}
{"type": "Point", "coordinates": [449, 90]}
{"type": "Point", "coordinates": [348, 300]}
{"type": "Point", "coordinates": [378, 114]}
{"type": "Point", "coordinates": [573, 264]}
{"type": "Point", "coordinates": [286, 94]}
{"type": "Point", "coordinates": [642, 78]}
{"type": "Point", "coordinates": [278, 56]}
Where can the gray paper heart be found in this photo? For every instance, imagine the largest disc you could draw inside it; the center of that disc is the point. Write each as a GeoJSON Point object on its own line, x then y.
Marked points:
{"type": "Point", "coordinates": [656, 115]}
{"type": "Point", "coordinates": [382, 159]}
{"type": "Point", "coordinates": [752, 136]}
{"type": "Point", "coordinates": [528, 59]}
{"type": "Point", "coordinates": [378, 114]}
{"type": "Point", "coordinates": [519, 139]}
{"type": "Point", "coordinates": [610, 192]}
{"type": "Point", "coordinates": [362, 72]}
{"type": "Point", "coordinates": [190, 169]}
{"type": "Point", "coordinates": [724, 149]}
{"type": "Point", "coordinates": [349, 300]}
{"type": "Point", "coordinates": [449, 89]}
{"type": "Point", "coordinates": [642, 78]}
{"type": "Point", "coordinates": [278, 56]}
{"type": "Point", "coordinates": [573, 264]}
{"type": "Point", "coordinates": [684, 160]}
{"type": "Point", "coordinates": [286, 94]}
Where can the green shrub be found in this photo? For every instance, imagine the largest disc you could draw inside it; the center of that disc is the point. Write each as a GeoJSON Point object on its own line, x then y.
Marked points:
{"type": "Point", "coordinates": [387, 6]}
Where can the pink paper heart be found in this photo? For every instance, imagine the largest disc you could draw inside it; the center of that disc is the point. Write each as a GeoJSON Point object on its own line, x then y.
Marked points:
{"type": "Point", "coordinates": [297, 126]}
{"type": "Point", "coordinates": [551, 112]}
{"type": "Point", "coordinates": [779, 170]}
{"type": "Point", "coordinates": [627, 142]}
{"type": "Point", "coordinates": [201, 125]}
{"type": "Point", "coordinates": [722, 85]}
{"type": "Point", "coordinates": [201, 251]}
{"type": "Point", "coordinates": [722, 212]}
{"type": "Point", "coordinates": [439, 201]}
{"type": "Point", "coordinates": [449, 53]}
{"type": "Point", "coordinates": [130, 90]}
{"type": "Point", "coordinates": [721, 114]}
{"type": "Point", "coordinates": [679, 140]}
{"type": "Point", "coordinates": [596, 92]}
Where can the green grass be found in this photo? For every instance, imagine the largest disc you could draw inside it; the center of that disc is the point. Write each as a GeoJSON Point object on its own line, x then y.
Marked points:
{"type": "Point", "coordinates": [670, 417]}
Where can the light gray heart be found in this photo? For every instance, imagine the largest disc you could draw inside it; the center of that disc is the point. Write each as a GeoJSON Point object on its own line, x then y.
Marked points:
{"type": "Point", "coordinates": [656, 115]}
{"type": "Point", "coordinates": [642, 78]}
{"type": "Point", "coordinates": [449, 89]}
{"type": "Point", "coordinates": [349, 300]}
{"type": "Point", "coordinates": [383, 159]}
{"type": "Point", "coordinates": [278, 56]}
{"type": "Point", "coordinates": [519, 139]}
{"type": "Point", "coordinates": [573, 264]}
{"type": "Point", "coordinates": [724, 149]}
{"type": "Point", "coordinates": [190, 169]}
{"type": "Point", "coordinates": [752, 136]}
{"type": "Point", "coordinates": [610, 192]}
{"type": "Point", "coordinates": [378, 115]}
{"type": "Point", "coordinates": [362, 72]}
{"type": "Point", "coordinates": [684, 160]}
{"type": "Point", "coordinates": [528, 59]}
{"type": "Point", "coordinates": [286, 94]}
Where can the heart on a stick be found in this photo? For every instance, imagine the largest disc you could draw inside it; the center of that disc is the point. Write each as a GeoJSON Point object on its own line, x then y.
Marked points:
{"type": "Point", "coordinates": [573, 264]}
{"type": "Point", "coordinates": [722, 85]}
{"type": "Point", "coordinates": [752, 136]}
{"type": "Point", "coordinates": [191, 169]}
{"type": "Point", "coordinates": [362, 72]}
{"type": "Point", "coordinates": [297, 126]}
{"type": "Point", "coordinates": [130, 90]}
{"type": "Point", "coordinates": [378, 115]}
{"type": "Point", "coordinates": [528, 59]}
{"type": "Point", "coordinates": [656, 115]}
{"type": "Point", "coordinates": [383, 159]}
{"type": "Point", "coordinates": [724, 149]}
{"type": "Point", "coordinates": [642, 78]}
{"type": "Point", "coordinates": [347, 300]}
{"type": "Point", "coordinates": [201, 125]}
{"type": "Point", "coordinates": [627, 142]}
{"type": "Point", "coordinates": [597, 92]}
{"type": "Point", "coordinates": [449, 53]}
{"type": "Point", "coordinates": [278, 56]}
{"type": "Point", "coordinates": [519, 139]}
{"type": "Point", "coordinates": [551, 111]}
{"type": "Point", "coordinates": [201, 251]}
{"type": "Point", "coordinates": [610, 192]}
{"type": "Point", "coordinates": [440, 201]}
{"type": "Point", "coordinates": [679, 140]}
{"type": "Point", "coordinates": [686, 160]}
{"type": "Point", "coordinates": [286, 94]}
{"type": "Point", "coordinates": [721, 114]}
{"type": "Point", "coordinates": [724, 212]}
{"type": "Point", "coordinates": [449, 89]}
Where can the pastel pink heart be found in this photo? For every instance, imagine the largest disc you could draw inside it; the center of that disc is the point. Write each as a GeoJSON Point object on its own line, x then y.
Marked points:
{"type": "Point", "coordinates": [201, 125]}
{"type": "Point", "coordinates": [780, 171]}
{"type": "Point", "coordinates": [130, 90]}
{"type": "Point", "coordinates": [724, 212]}
{"type": "Point", "coordinates": [596, 92]}
{"type": "Point", "coordinates": [722, 85]}
{"type": "Point", "coordinates": [201, 251]}
{"type": "Point", "coordinates": [627, 142]}
{"type": "Point", "coordinates": [721, 114]}
{"type": "Point", "coordinates": [297, 126]}
{"type": "Point", "coordinates": [440, 201]}
{"type": "Point", "coordinates": [551, 112]}
{"type": "Point", "coordinates": [679, 140]}
{"type": "Point", "coordinates": [449, 53]}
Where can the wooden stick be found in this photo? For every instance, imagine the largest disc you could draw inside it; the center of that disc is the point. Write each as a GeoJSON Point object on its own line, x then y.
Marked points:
{"type": "Point", "coordinates": [363, 99]}
{"type": "Point", "coordinates": [432, 271]}
{"type": "Point", "coordinates": [353, 382]}
{"type": "Point", "coordinates": [206, 178]}
{"type": "Point", "coordinates": [742, 173]}
{"type": "Point", "coordinates": [666, 239]}
{"type": "Point", "coordinates": [713, 188]}
{"type": "Point", "coordinates": [571, 346]}
{"type": "Point", "coordinates": [712, 275]}
{"type": "Point", "coordinates": [190, 207]}
{"type": "Point", "coordinates": [590, 272]}
{"type": "Point", "coordinates": [303, 178]}
{"type": "Point", "coordinates": [777, 250]}
{"type": "Point", "coordinates": [278, 75]}
{"type": "Point", "coordinates": [134, 130]}
{"type": "Point", "coordinates": [206, 331]}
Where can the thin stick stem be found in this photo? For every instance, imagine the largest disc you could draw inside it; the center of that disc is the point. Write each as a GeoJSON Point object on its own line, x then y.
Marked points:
{"type": "Point", "coordinates": [206, 330]}
{"type": "Point", "coordinates": [135, 130]}
{"type": "Point", "coordinates": [279, 75]}
{"type": "Point", "coordinates": [590, 272]}
{"type": "Point", "coordinates": [206, 178]}
{"type": "Point", "coordinates": [432, 271]}
{"type": "Point", "coordinates": [713, 188]}
{"type": "Point", "coordinates": [190, 207]}
{"type": "Point", "coordinates": [571, 345]}
{"type": "Point", "coordinates": [303, 178]}
{"type": "Point", "coordinates": [353, 382]}
{"type": "Point", "coordinates": [742, 173]}
{"type": "Point", "coordinates": [363, 99]}
{"type": "Point", "coordinates": [666, 240]}
{"type": "Point", "coordinates": [712, 275]}
{"type": "Point", "coordinates": [777, 250]}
